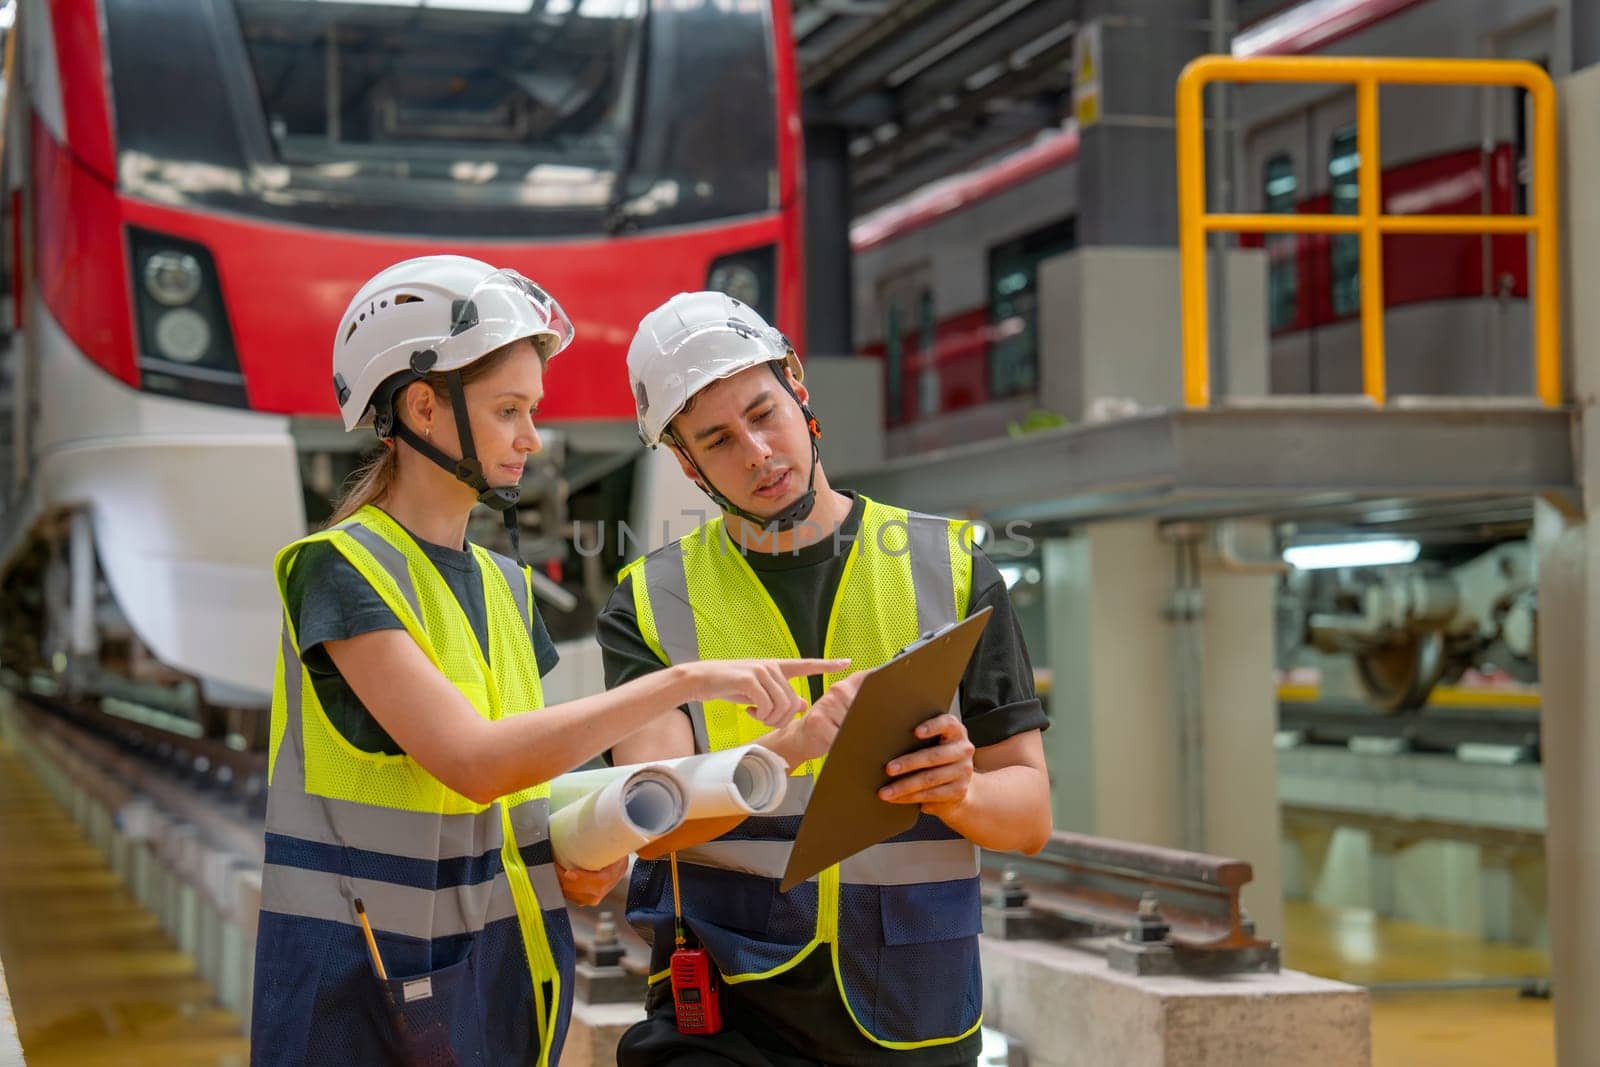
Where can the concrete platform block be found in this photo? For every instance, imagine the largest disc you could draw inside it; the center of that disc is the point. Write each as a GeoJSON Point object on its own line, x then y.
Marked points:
{"type": "Point", "coordinates": [187, 934]}
{"type": "Point", "coordinates": [247, 898]}
{"type": "Point", "coordinates": [191, 859]}
{"type": "Point", "coordinates": [208, 942]}
{"type": "Point", "coordinates": [230, 990]}
{"type": "Point", "coordinates": [1070, 1010]}
{"type": "Point", "coordinates": [10, 1043]}
{"type": "Point", "coordinates": [122, 851]}
{"type": "Point", "coordinates": [141, 876]}
{"type": "Point", "coordinates": [594, 1033]}
{"type": "Point", "coordinates": [217, 873]}
{"type": "Point", "coordinates": [247, 909]}
{"type": "Point", "coordinates": [247, 980]}
{"type": "Point", "coordinates": [137, 819]}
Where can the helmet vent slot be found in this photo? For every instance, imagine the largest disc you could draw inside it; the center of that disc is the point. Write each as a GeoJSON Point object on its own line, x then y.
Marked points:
{"type": "Point", "coordinates": [406, 298]}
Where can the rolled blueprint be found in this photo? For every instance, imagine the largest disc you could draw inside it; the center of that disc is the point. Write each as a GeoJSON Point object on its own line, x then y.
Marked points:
{"type": "Point", "coordinates": [749, 780]}
{"type": "Point", "coordinates": [600, 816]}
{"type": "Point", "coordinates": [603, 824]}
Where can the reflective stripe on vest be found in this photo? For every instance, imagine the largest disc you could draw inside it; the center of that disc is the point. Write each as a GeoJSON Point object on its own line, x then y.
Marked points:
{"type": "Point", "coordinates": [426, 862]}
{"type": "Point", "coordinates": [905, 574]}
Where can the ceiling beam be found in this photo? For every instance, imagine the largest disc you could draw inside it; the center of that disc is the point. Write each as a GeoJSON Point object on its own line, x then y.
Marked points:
{"type": "Point", "coordinates": [913, 28]}
{"type": "Point", "coordinates": [1041, 21]}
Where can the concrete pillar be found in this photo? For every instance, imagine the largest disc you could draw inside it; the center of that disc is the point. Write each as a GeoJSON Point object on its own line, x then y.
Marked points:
{"type": "Point", "coordinates": [829, 297]}
{"type": "Point", "coordinates": [1240, 705]}
{"type": "Point", "coordinates": [1569, 636]}
{"type": "Point", "coordinates": [1108, 319]}
{"type": "Point", "coordinates": [1127, 184]}
{"type": "Point", "coordinates": [1569, 613]}
{"type": "Point", "coordinates": [1439, 885]}
{"type": "Point", "coordinates": [1512, 892]}
{"type": "Point", "coordinates": [1382, 856]}
{"type": "Point", "coordinates": [84, 638]}
{"type": "Point", "coordinates": [1304, 856]}
{"type": "Point", "coordinates": [1110, 751]}
{"type": "Point", "coordinates": [1114, 746]}
{"type": "Point", "coordinates": [1583, 26]}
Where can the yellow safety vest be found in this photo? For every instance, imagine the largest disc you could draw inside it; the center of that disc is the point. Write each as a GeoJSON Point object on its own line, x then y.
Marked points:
{"type": "Point", "coordinates": [442, 877]}
{"type": "Point", "coordinates": [901, 919]}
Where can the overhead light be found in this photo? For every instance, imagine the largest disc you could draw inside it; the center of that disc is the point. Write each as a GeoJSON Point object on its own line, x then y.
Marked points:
{"type": "Point", "coordinates": [1371, 553]}
{"type": "Point", "coordinates": [1011, 573]}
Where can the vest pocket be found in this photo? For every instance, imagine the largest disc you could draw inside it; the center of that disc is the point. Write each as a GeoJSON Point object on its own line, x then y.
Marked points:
{"type": "Point", "coordinates": [433, 1017]}
{"type": "Point", "coordinates": [724, 898]}
{"type": "Point", "coordinates": [931, 911]}
{"type": "Point", "coordinates": [929, 984]}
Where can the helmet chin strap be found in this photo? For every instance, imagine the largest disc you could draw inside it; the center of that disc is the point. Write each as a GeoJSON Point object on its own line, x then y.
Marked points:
{"type": "Point", "coordinates": [468, 469]}
{"type": "Point", "coordinates": [794, 514]}
{"type": "Point", "coordinates": [785, 520]}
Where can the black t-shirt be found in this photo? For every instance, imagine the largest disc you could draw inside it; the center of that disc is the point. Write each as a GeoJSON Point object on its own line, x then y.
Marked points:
{"type": "Point", "coordinates": [997, 702]}
{"type": "Point", "coordinates": [329, 600]}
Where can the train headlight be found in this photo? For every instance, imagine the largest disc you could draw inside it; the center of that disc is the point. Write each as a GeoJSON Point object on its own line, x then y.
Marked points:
{"type": "Point", "coordinates": [738, 281]}
{"type": "Point", "coordinates": [749, 276]}
{"type": "Point", "coordinates": [186, 347]}
{"type": "Point", "coordinates": [182, 335]}
{"type": "Point", "coordinates": [172, 278]}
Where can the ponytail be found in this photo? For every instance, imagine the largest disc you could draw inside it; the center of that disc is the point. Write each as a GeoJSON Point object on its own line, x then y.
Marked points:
{"type": "Point", "coordinates": [367, 485]}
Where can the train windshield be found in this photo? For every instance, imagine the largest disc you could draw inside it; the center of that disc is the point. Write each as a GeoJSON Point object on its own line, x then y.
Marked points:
{"type": "Point", "coordinates": [531, 100]}
{"type": "Point", "coordinates": [448, 117]}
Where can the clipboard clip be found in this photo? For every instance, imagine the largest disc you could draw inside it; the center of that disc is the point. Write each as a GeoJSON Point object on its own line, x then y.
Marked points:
{"type": "Point", "coordinates": [928, 637]}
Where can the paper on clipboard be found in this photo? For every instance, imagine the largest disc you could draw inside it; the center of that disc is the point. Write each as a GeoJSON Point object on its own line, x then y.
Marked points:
{"type": "Point", "coordinates": [845, 814]}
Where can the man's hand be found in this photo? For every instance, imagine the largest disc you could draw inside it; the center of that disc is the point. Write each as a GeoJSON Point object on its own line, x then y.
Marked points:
{"type": "Point", "coordinates": [812, 734]}
{"type": "Point", "coordinates": [937, 778]}
{"type": "Point", "coordinates": [584, 888]}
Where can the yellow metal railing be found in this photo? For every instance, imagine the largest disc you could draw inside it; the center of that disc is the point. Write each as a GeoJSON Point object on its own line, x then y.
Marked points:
{"type": "Point", "coordinates": [1194, 222]}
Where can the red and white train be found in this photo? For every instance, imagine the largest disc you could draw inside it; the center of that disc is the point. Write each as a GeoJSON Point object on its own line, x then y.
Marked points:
{"type": "Point", "coordinates": [194, 188]}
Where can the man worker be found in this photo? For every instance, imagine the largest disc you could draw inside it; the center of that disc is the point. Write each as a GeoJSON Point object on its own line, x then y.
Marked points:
{"type": "Point", "coordinates": [875, 960]}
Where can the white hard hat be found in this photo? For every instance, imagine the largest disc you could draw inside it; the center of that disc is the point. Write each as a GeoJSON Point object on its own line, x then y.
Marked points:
{"type": "Point", "coordinates": [435, 313]}
{"type": "Point", "coordinates": [689, 342]}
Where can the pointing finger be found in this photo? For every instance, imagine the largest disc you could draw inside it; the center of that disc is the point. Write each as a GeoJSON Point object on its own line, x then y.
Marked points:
{"type": "Point", "coordinates": [800, 668]}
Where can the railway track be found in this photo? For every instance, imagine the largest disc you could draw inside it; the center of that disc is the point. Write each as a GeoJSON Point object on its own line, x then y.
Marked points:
{"type": "Point", "coordinates": [1150, 910]}
{"type": "Point", "coordinates": [1433, 730]}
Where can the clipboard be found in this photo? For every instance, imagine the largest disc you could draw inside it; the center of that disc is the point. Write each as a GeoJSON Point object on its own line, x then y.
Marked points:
{"type": "Point", "coordinates": [845, 813]}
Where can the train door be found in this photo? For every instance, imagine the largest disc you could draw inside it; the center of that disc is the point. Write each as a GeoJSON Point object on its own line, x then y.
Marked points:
{"type": "Point", "coordinates": [1334, 297]}
{"type": "Point", "coordinates": [1275, 180]}
{"type": "Point", "coordinates": [905, 310]}
{"type": "Point", "coordinates": [1305, 161]}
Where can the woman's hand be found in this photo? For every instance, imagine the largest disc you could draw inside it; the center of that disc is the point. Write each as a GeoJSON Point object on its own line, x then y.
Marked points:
{"type": "Point", "coordinates": [762, 685]}
{"type": "Point", "coordinates": [812, 734]}
{"type": "Point", "coordinates": [585, 888]}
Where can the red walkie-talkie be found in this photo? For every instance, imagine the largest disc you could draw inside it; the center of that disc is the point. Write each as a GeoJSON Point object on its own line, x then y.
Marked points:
{"type": "Point", "coordinates": [696, 989]}
{"type": "Point", "coordinates": [696, 993]}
